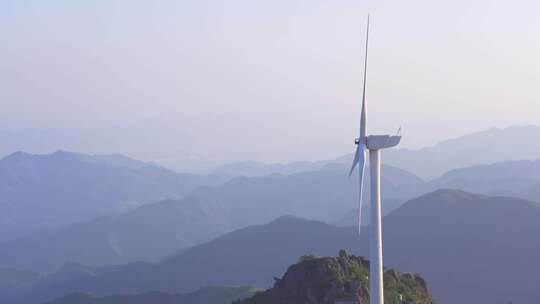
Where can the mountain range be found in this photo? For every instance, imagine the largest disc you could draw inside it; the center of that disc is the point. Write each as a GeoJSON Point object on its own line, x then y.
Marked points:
{"type": "Point", "coordinates": [253, 168]}
{"type": "Point", "coordinates": [316, 280]}
{"type": "Point", "coordinates": [64, 210]}
{"type": "Point", "coordinates": [149, 232]}
{"type": "Point", "coordinates": [484, 147]}
{"type": "Point", "coordinates": [45, 192]}
{"type": "Point", "coordinates": [463, 244]}
{"type": "Point", "coordinates": [520, 178]}
{"type": "Point", "coordinates": [154, 230]}
{"type": "Point", "coordinates": [139, 140]}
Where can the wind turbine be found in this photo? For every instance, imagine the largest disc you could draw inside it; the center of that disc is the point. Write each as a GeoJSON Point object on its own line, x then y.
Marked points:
{"type": "Point", "coordinates": [374, 144]}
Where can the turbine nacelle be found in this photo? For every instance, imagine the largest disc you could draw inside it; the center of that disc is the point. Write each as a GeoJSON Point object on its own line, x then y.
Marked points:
{"type": "Point", "coordinates": [376, 142]}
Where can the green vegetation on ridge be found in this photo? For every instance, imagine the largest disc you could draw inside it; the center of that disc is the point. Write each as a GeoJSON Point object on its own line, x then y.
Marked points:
{"type": "Point", "coordinates": [325, 280]}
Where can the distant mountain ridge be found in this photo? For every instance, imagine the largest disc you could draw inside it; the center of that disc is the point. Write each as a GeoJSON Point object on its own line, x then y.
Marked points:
{"type": "Point", "coordinates": [43, 192]}
{"type": "Point", "coordinates": [147, 233]}
{"type": "Point", "coordinates": [463, 244]}
{"type": "Point", "coordinates": [154, 230]}
{"type": "Point", "coordinates": [253, 168]}
{"type": "Point", "coordinates": [483, 147]}
{"type": "Point", "coordinates": [519, 178]}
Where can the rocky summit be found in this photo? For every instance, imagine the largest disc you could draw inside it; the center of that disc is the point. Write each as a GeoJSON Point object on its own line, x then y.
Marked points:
{"type": "Point", "coordinates": [340, 280]}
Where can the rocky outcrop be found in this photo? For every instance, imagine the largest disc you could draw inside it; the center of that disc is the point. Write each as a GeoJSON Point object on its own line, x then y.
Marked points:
{"type": "Point", "coordinates": [341, 279]}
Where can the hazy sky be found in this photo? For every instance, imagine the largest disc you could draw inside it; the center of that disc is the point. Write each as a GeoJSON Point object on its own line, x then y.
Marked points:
{"type": "Point", "coordinates": [438, 68]}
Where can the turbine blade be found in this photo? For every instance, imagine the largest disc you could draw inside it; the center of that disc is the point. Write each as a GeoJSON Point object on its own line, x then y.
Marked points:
{"type": "Point", "coordinates": [361, 166]}
{"type": "Point", "coordinates": [363, 114]}
{"type": "Point", "coordinates": [360, 156]}
{"type": "Point", "coordinates": [355, 160]}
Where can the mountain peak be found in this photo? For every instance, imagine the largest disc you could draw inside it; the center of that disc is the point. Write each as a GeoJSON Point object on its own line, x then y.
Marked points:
{"type": "Point", "coordinates": [21, 155]}
{"type": "Point", "coordinates": [451, 194]}
{"type": "Point", "coordinates": [285, 219]}
{"type": "Point", "coordinates": [17, 156]}
{"type": "Point", "coordinates": [344, 278]}
{"type": "Point", "coordinates": [290, 221]}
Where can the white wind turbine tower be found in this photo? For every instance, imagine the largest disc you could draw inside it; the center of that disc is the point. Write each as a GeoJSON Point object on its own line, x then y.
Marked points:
{"type": "Point", "coordinates": [374, 144]}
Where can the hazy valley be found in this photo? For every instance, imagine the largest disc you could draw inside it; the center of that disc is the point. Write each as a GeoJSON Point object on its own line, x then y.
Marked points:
{"type": "Point", "coordinates": [222, 230]}
{"type": "Point", "coordinates": [437, 235]}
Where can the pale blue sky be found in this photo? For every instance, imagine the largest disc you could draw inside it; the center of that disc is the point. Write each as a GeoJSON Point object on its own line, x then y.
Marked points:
{"type": "Point", "coordinates": [439, 68]}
